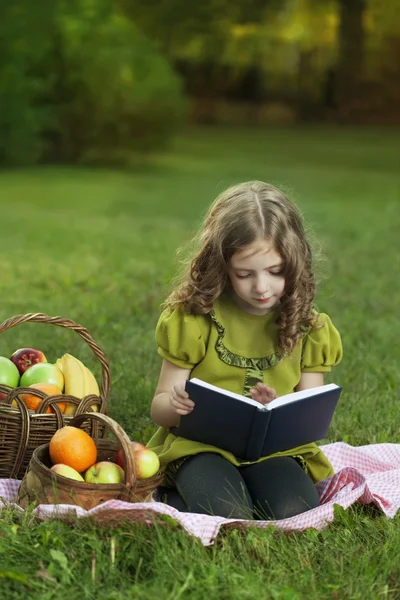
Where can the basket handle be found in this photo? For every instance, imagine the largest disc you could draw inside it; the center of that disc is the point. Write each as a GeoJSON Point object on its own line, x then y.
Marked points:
{"type": "Point", "coordinates": [122, 437]}
{"type": "Point", "coordinates": [105, 385]}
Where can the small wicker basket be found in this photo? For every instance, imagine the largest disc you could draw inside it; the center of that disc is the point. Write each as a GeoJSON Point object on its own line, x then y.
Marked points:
{"type": "Point", "coordinates": [40, 485]}
{"type": "Point", "coordinates": [22, 430]}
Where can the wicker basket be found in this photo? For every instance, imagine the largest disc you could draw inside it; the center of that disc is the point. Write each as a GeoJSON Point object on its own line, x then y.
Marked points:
{"type": "Point", "coordinates": [23, 430]}
{"type": "Point", "coordinates": [40, 485]}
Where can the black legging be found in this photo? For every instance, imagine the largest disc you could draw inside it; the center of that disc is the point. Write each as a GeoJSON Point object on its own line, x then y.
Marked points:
{"type": "Point", "coordinates": [275, 488]}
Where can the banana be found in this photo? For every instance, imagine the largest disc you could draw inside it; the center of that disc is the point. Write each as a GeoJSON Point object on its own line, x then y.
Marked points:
{"type": "Point", "coordinates": [79, 381]}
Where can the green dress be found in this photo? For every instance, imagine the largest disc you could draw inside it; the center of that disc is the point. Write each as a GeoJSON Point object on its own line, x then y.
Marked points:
{"type": "Point", "coordinates": [234, 350]}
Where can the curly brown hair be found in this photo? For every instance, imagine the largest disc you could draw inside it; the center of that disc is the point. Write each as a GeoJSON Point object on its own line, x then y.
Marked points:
{"type": "Point", "coordinates": [239, 216]}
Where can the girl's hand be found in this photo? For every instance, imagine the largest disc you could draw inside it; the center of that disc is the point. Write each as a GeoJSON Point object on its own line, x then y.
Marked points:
{"type": "Point", "coordinates": [180, 401]}
{"type": "Point", "coordinates": [263, 394]}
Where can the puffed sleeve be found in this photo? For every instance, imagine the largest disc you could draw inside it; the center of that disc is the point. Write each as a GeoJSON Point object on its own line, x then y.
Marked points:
{"type": "Point", "coordinates": [322, 347]}
{"type": "Point", "coordinates": [182, 338]}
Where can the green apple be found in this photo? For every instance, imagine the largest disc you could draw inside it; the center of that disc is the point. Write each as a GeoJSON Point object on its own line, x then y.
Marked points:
{"type": "Point", "coordinates": [43, 373]}
{"type": "Point", "coordinates": [66, 471]}
{"type": "Point", "coordinates": [9, 374]}
{"type": "Point", "coordinates": [104, 472]}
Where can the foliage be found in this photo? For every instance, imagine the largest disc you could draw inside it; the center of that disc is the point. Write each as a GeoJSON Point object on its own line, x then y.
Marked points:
{"type": "Point", "coordinates": [82, 84]}
{"type": "Point", "coordinates": [383, 42]}
{"type": "Point", "coordinates": [98, 246]}
{"type": "Point", "coordinates": [120, 94]}
{"type": "Point", "coordinates": [316, 55]}
{"type": "Point", "coordinates": [24, 45]}
{"type": "Point", "coordinates": [176, 23]}
{"type": "Point", "coordinates": [383, 19]}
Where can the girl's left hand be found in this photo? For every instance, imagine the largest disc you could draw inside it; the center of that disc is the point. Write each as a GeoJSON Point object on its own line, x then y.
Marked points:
{"type": "Point", "coordinates": [263, 394]}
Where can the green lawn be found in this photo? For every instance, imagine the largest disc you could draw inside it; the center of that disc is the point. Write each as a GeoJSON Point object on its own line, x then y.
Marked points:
{"type": "Point", "coordinates": [99, 246]}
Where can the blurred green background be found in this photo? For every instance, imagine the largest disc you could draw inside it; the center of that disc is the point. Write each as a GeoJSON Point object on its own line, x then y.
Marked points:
{"type": "Point", "coordinates": [100, 81]}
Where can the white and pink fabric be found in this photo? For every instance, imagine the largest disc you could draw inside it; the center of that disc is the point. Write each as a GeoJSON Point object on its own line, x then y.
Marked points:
{"type": "Point", "coordinates": [365, 474]}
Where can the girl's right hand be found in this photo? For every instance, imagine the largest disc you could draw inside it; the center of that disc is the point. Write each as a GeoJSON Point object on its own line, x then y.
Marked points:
{"type": "Point", "coordinates": [179, 400]}
{"type": "Point", "coordinates": [263, 393]}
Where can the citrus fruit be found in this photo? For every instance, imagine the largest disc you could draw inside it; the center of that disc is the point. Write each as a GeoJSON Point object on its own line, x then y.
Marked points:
{"type": "Point", "coordinates": [73, 447]}
{"type": "Point", "coordinates": [50, 389]}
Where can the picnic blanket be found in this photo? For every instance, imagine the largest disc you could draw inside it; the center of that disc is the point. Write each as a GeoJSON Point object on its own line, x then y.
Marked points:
{"type": "Point", "coordinates": [365, 474]}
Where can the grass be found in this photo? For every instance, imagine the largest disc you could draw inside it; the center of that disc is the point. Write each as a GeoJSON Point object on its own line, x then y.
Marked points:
{"type": "Point", "coordinates": [99, 247]}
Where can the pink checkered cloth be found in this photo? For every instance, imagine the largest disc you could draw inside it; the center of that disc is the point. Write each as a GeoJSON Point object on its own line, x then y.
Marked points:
{"type": "Point", "coordinates": [367, 474]}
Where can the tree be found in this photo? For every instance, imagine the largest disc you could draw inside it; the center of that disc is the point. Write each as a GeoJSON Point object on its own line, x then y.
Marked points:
{"type": "Point", "coordinates": [350, 49]}
{"type": "Point", "coordinates": [24, 112]}
{"type": "Point", "coordinates": [79, 82]}
{"type": "Point", "coordinates": [119, 94]}
{"type": "Point", "coordinates": [176, 23]}
{"type": "Point", "coordinates": [205, 31]}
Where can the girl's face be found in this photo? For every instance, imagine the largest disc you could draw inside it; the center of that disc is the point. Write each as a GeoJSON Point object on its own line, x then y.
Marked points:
{"type": "Point", "coordinates": [256, 276]}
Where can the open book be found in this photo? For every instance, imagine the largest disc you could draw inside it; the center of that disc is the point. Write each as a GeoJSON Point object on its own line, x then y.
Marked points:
{"type": "Point", "coordinates": [249, 429]}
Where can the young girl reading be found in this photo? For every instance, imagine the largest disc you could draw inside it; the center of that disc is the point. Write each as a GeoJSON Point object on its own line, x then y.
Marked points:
{"type": "Point", "coordinates": [243, 319]}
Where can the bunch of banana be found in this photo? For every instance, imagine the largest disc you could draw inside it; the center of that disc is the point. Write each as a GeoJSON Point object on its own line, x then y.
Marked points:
{"type": "Point", "coordinates": [79, 381]}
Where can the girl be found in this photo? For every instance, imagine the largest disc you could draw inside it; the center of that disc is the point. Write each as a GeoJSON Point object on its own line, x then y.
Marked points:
{"type": "Point", "coordinates": [242, 319]}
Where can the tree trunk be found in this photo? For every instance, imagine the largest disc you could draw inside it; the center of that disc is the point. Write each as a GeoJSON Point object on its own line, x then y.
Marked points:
{"type": "Point", "coordinates": [351, 52]}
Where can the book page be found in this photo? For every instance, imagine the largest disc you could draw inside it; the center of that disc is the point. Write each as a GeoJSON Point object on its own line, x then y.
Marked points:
{"type": "Point", "coordinates": [227, 392]}
{"type": "Point", "coordinates": [300, 395]}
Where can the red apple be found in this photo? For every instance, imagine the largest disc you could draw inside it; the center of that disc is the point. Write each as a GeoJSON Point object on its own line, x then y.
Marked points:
{"type": "Point", "coordinates": [67, 471]}
{"type": "Point", "coordinates": [23, 358]}
{"type": "Point", "coordinates": [43, 373]}
{"type": "Point", "coordinates": [119, 459]}
{"type": "Point", "coordinates": [147, 461]}
{"type": "Point", "coordinates": [104, 472]}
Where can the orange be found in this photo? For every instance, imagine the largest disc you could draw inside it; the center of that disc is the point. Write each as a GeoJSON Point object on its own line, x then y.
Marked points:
{"type": "Point", "coordinates": [73, 447]}
{"type": "Point", "coordinates": [32, 401]}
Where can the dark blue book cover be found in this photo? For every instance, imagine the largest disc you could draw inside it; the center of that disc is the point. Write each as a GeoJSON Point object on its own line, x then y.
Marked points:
{"type": "Point", "coordinates": [249, 429]}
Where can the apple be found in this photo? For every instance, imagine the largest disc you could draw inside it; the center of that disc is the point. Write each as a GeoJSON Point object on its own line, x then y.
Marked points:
{"type": "Point", "coordinates": [119, 459]}
{"type": "Point", "coordinates": [23, 358]}
{"type": "Point", "coordinates": [104, 472]}
{"type": "Point", "coordinates": [9, 374]}
{"type": "Point", "coordinates": [147, 461]}
{"type": "Point", "coordinates": [66, 471]}
{"type": "Point", "coordinates": [43, 373]}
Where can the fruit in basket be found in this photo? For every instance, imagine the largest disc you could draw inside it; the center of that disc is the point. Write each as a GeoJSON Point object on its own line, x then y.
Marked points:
{"type": "Point", "coordinates": [104, 472]}
{"type": "Point", "coordinates": [67, 471]}
{"type": "Point", "coordinates": [43, 373]}
{"type": "Point", "coordinates": [119, 459]}
{"type": "Point", "coordinates": [79, 381]}
{"type": "Point", "coordinates": [9, 374]}
{"type": "Point", "coordinates": [73, 447]}
{"type": "Point", "coordinates": [32, 401]}
{"type": "Point", "coordinates": [147, 461]}
{"type": "Point", "coordinates": [23, 358]}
